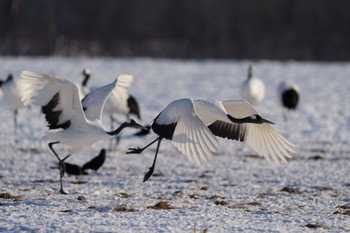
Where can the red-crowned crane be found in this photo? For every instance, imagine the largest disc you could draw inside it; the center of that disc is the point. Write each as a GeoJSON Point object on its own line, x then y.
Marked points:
{"type": "Point", "coordinates": [12, 96]}
{"type": "Point", "coordinates": [252, 89]}
{"type": "Point", "coordinates": [192, 125]}
{"type": "Point", "coordinates": [119, 102]}
{"type": "Point", "coordinates": [289, 93]}
{"type": "Point", "coordinates": [60, 102]}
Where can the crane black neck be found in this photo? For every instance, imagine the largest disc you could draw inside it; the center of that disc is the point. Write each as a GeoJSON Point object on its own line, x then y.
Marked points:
{"type": "Point", "coordinates": [254, 119]}
{"type": "Point", "coordinates": [129, 123]}
{"type": "Point", "coordinates": [250, 72]}
{"type": "Point", "coordinates": [86, 79]}
{"type": "Point", "coordinates": [119, 129]}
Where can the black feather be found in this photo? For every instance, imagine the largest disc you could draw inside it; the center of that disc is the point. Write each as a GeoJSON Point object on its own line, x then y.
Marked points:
{"type": "Point", "coordinates": [52, 117]}
{"type": "Point", "coordinates": [229, 131]}
{"type": "Point", "coordinates": [290, 99]}
{"type": "Point", "coordinates": [165, 131]}
{"type": "Point", "coordinates": [96, 162]}
{"type": "Point", "coordinates": [73, 169]}
{"type": "Point", "coordinates": [134, 106]}
{"type": "Point", "coordinates": [9, 79]}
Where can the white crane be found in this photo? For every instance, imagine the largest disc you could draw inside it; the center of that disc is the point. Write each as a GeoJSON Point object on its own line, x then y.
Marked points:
{"type": "Point", "coordinates": [119, 102]}
{"type": "Point", "coordinates": [193, 124]}
{"type": "Point", "coordinates": [12, 97]}
{"type": "Point", "coordinates": [60, 102]}
{"type": "Point", "coordinates": [252, 89]}
{"type": "Point", "coordinates": [289, 96]}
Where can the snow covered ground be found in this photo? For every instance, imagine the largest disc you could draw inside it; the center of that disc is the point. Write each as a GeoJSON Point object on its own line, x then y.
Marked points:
{"type": "Point", "coordinates": [235, 191]}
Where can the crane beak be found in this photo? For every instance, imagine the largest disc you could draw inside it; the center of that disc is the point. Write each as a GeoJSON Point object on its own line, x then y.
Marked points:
{"type": "Point", "coordinates": [267, 121]}
{"type": "Point", "coordinates": [137, 125]}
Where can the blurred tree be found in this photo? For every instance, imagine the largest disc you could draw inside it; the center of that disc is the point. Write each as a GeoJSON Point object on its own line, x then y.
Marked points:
{"type": "Point", "coordinates": [241, 29]}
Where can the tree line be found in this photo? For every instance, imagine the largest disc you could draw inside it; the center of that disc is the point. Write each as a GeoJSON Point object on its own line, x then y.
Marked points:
{"type": "Point", "coordinates": [238, 29]}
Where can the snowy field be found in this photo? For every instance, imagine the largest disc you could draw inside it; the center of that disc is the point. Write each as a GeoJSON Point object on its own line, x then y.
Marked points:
{"type": "Point", "coordinates": [235, 191]}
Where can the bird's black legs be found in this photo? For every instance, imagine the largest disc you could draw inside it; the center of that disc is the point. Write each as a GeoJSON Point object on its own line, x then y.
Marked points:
{"type": "Point", "coordinates": [151, 169]}
{"type": "Point", "coordinates": [15, 113]}
{"type": "Point", "coordinates": [139, 150]}
{"type": "Point", "coordinates": [61, 165]}
{"type": "Point", "coordinates": [62, 168]}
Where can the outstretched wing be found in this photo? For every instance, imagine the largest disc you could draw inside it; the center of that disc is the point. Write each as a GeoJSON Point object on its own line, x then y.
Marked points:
{"type": "Point", "coordinates": [263, 138]}
{"type": "Point", "coordinates": [58, 99]}
{"type": "Point", "coordinates": [124, 82]}
{"type": "Point", "coordinates": [119, 98]}
{"type": "Point", "coordinates": [180, 123]}
{"type": "Point", "coordinates": [94, 102]}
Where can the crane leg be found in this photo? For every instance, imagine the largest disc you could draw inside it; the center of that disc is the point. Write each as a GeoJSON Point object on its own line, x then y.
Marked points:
{"type": "Point", "coordinates": [151, 169]}
{"type": "Point", "coordinates": [139, 150]}
{"type": "Point", "coordinates": [61, 165]}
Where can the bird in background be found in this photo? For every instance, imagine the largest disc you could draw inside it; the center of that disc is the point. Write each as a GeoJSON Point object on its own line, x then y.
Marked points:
{"type": "Point", "coordinates": [192, 125]}
{"type": "Point", "coordinates": [289, 93]}
{"type": "Point", "coordinates": [84, 87]}
{"type": "Point", "coordinates": [252, 89]}
{"type": "Point", "coordinates": [60, 102]}
{"type": "Point", "coordinates": [120, 101]}
{"type": "Point", "coordinates": [94, 164]}
{"type": "Point", "coordinates": [73, 169]}
{"type": "Point", "coordinates": [12, 96]}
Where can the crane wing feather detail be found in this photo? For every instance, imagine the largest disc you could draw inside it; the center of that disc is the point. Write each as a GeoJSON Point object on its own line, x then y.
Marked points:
{"type": "Point", "coordinates": [263, 138]}
{"type": "Point", "coordinates": [59, 97]}
{"type": "Point", "coordinates": [124, 82]}
{"type": "Point", "coordinates": [94, 102]}
{"type": "Point", "coordinates": [190, 135]}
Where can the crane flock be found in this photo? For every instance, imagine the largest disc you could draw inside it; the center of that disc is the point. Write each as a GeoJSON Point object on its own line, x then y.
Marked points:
{"type": "Point", "coordinates": [74, 118]}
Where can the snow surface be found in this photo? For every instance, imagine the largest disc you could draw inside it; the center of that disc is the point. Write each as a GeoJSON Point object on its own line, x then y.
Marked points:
{"type": "Point", "coordinates": [235, 191]}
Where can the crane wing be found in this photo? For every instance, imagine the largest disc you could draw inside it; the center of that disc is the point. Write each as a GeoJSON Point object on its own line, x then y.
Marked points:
{"type": "Point", "coordinates": [180, 123]}
{"type": "Point", "coordinates": [58, 99]}
{"type": "Point", "coordinates": [94, 102]}
{"type": "Point", "coordinates": [124, 82]}
{"type": "Point", "coordinates": [120, 95]}
{"type": "Point", "coordinates": [263, 138]}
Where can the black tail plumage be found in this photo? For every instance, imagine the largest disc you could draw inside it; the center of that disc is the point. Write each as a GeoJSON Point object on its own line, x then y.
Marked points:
{"type": "Point", "coordinates": [96, 162]}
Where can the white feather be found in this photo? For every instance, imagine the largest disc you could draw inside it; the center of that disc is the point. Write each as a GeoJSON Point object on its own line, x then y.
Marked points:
{"type": "Point", "coordinates": [252, 89]}
{"type": "Point", "coordinates": [263, 138]}
{"type": "Point", "coordinates": [191, 136]}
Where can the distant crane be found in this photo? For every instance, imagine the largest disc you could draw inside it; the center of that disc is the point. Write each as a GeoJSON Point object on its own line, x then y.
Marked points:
{"type": "Point", "coordinates": [289, 96]}
{"type": "Point", "coordinates": [93, 164]}
{"type": "Point", "coordinates": [193, 124]}
{"type": "Point", "coordinates": [120, 100]}
{"type": "Point", "coordinates": [73, 169]}
{"type": "Point", "coordinates": [12, 97]}
{"type": "Point", "coordinates": [97, 162]}
{"type": "Point", "coordinates": [59, 101]}
{"type": "Point", "coordinates": [252, 89]}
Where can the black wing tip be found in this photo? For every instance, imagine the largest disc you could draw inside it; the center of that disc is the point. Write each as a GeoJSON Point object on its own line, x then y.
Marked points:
{"type": "Point", "coordinates": [134, 107]}
{"type": "Point", "coordinates": [52, 117]}
{"type": "Point", "coordinates": [73, 169]}
{"type": "Point", "coordinates": [165, 131]}
{"type": "Point", "coordinates": [97, 162]}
